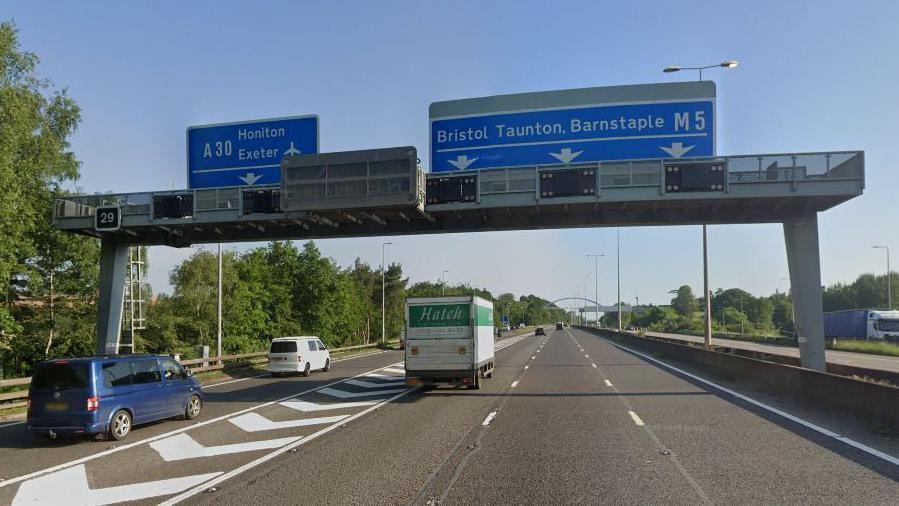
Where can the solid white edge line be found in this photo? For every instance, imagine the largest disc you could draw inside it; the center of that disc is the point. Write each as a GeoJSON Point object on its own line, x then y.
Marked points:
{"type": "Point", "coordinates": [249, 465]}
{"type": "Point", "coordinates": [636, 418]}
{"type": "Point", "coordinates": [157, 437]}
{"type": "Point", "coordinates": [11, 423]}
{"type": "Point", "coordinates": [489, 418]}
{"type": "Point", "coordinates": [817, 428]}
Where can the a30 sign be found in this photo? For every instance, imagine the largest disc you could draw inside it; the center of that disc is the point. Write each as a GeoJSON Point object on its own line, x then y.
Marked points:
{"type": "Point", "coordinates": [107, 218]}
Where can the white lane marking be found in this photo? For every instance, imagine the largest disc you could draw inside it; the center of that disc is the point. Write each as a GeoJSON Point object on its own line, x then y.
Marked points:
{"type": "Point", "coordinates": [635, 418]}
{"type": "Point", "coordinates": [376, 375]}
{"type": "Point", "coordinates": [380, 384]}
{"type": "Point", "coordinates": [526, 366]}
{"type": "Point", "coordinates": [11, 424]}
{"type": "Point", "coordinates": [489, 419]}
{"type": "Point", "coordinates": [343, 394]}
{"type": "Point", "coordinates": [608, 383]}
{"type": "Point", "coordinates": [514, 384]}
{"type": "Point", "coordinates": [817, 428]}
{"type": "Point", "coordinates": [164, 435]}
{"type": "Point", "coordinates": [586, 356]}
{"type": "Point", "coordinates": [594, 365]}
{"type": "Point", "coordinates": [311, 406]}
{"type": "Point", "coordinates": [213, 385]}
{"type": "Point", "coordinates": [533, 357]}
{"type": "Point", "coordinates": [182, 447]}
{"type": "Point", "coordinates": [265, 458]}
{"type": "Point", "coordinates": [70, 486]}
{"type": "Point", "coordinates": [254, 422]}
{"type": "Point", "coordinates": [393, 369]}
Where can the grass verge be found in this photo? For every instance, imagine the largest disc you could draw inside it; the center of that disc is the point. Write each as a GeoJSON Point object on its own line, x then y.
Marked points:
{"type": "Point", "coordinates": [874, 348]}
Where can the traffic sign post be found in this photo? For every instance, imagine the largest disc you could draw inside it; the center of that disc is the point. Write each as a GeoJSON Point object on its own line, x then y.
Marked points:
{"type": "Point", "coordinates": [246, 153]}
{"type": "Point", "coordinates": [574, 126]}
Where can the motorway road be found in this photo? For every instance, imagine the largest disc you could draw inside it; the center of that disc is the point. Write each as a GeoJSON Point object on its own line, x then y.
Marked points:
{"type": "Point", "coordinates": [869, 361]}
{"type": "Point", "coordinates": [566, 418]}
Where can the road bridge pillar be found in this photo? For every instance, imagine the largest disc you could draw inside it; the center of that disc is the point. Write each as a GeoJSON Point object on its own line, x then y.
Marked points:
{"type": "Point", "coordinates": [113, 259]}
{"type": "Point", "coordinates": [804, 259]}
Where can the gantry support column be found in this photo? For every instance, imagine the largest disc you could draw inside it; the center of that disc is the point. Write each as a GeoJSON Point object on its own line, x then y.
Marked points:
{"type": "Point", "coordinates": [804, 259]}
{"type": "Point", "coordinates": [113, 259]}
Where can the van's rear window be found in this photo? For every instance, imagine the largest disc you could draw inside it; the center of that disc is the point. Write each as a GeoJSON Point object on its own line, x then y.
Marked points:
{"type": "Point", "coordinates": [59, 376]}
{"type": "Point", "coordinates": [283, 347]}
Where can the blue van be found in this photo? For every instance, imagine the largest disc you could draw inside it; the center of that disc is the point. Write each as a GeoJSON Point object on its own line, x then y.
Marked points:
{"type": "Point", "coordinates": [109, 394]}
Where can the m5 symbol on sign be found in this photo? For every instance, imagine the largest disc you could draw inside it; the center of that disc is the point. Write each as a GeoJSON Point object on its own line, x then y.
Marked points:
{"type": "Point", "coordinates": [107, 218]}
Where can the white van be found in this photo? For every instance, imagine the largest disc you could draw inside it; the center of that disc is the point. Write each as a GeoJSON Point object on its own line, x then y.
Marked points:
{"type": "Point", "coordinates": [297, 354]}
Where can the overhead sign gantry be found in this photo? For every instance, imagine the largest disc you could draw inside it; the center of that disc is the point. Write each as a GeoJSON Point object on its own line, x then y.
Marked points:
{"type": "Point", "coordinates": [384, 192]}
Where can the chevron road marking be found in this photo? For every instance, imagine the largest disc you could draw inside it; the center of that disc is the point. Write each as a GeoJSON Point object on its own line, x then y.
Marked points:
{"type": "Point", "coordinates": [254, 422]}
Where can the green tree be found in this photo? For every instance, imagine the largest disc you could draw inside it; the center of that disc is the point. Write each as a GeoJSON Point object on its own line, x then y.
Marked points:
{"type": "Point", "coordinates": [684, 302]}
{"type": "Point", "coordinates": [36, 122]}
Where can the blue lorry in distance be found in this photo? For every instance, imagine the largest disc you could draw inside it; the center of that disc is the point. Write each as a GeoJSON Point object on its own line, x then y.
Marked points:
{"type": "Point", "coordinates": [862, 324]}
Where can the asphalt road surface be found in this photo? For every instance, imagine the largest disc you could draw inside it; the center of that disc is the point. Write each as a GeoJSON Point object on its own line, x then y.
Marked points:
{"type": "Point", "coordinates": [567, 418]}
{"type": "Point", "coordinates": [866, 360]}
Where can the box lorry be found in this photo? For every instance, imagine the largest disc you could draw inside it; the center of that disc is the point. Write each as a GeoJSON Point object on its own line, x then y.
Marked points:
{"type": "Point", "coordinates": [862, 324]}
{"type": "Point", "coordinates": [449, 340]}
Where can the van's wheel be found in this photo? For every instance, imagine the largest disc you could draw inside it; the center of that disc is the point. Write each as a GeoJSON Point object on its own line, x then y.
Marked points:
{"type": "Point", "coordinates": [306, 370]}
{"type": "Point", "coordinates": [327, 366]}
{"type": "Point", "coordinates": [194, 406]}
{"type": "Point", "coordinates": [120, 426]}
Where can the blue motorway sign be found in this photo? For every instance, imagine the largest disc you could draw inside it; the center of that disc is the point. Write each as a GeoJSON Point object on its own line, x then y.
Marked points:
{"type": "Point", "coordinates": [574, 134]}
{"type": "Point", "coordinates": [248, 152]}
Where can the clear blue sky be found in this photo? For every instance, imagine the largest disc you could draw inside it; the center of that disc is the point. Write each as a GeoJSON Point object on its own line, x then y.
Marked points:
{"type": "Point", "coordinates": [813, 76]}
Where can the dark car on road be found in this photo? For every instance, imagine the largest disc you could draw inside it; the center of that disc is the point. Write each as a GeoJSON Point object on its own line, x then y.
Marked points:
{"type": "Point", "coordinates": [109, 394]}
{"type": "Point", "coordinates": [539, 332]}
{"type": "Point", "coordinates": [559, 326]}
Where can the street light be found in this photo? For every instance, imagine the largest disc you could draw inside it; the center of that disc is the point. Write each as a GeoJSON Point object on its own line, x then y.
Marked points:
{"type": "Point", "coordinates": [383, 295]}
{"type": "Point", "coordinates": [889, 294]}
{"type": "Point", "coordinates": [728, 64]}
{"type": "Point", "coordinates": [618, 246]}
{"type": "Point", "coordinates": [596, 284]}
{"type": "Point", "coordinates": [584, 312]}
{"type": "Point", "coordinates": [443, 281]}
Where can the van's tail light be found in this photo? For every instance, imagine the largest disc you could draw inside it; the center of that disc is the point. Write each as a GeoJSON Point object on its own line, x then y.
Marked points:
{"type": "Point", "coordinates": [93, 403]}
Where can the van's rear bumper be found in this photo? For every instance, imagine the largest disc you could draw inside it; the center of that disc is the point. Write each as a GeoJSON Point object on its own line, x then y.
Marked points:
{"type": "Point", "coordinates": [286, 366]}
{"type": "Point", "coordinates": [91, 428]}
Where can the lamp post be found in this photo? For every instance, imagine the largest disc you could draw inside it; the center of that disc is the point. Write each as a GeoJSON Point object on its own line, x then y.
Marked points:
{"type": "Point", "coordinates": [728, 64]}
{"type": "Point", "coordinates": [618, 255]}
{"type": "Point", "coordinates": [218, 310]}
{"type": "Point", "coordinates": [889, 288]}
{"type": "Point", "coordinates": [383, 295]}
{"type": "Point", "coordinates": [584, 311]}
{"type": "Point", "coordinates": [596, 284]}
